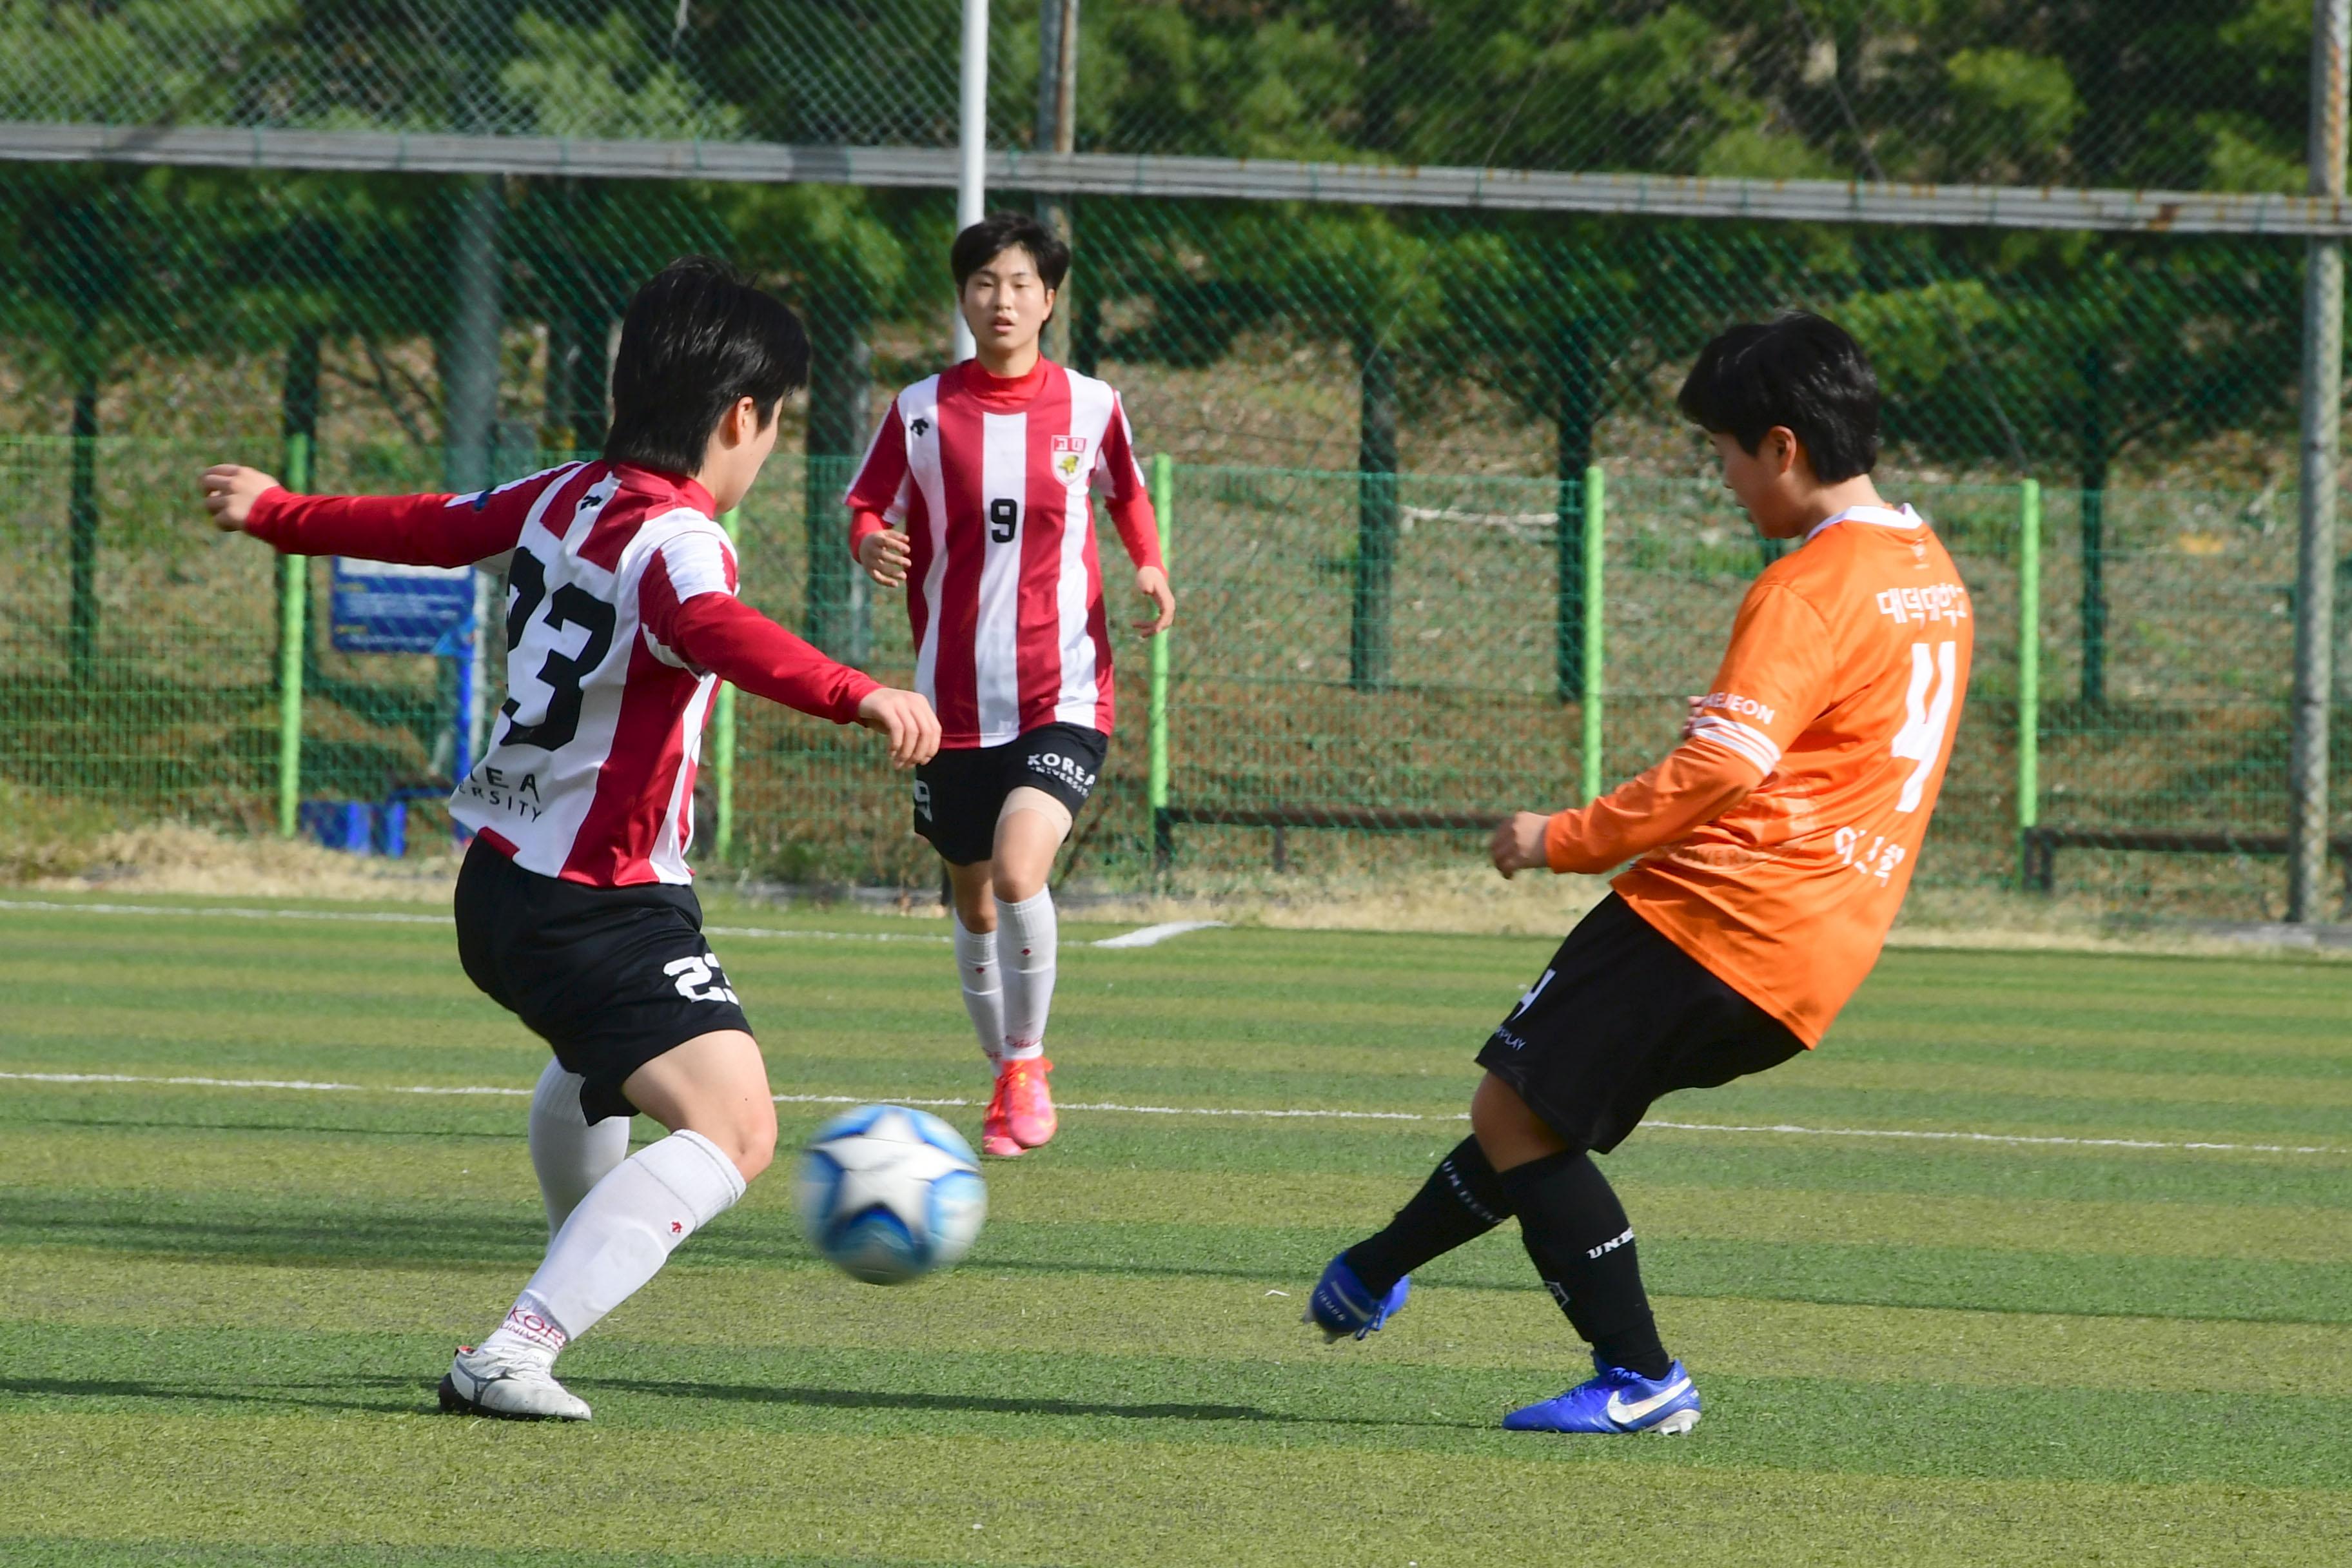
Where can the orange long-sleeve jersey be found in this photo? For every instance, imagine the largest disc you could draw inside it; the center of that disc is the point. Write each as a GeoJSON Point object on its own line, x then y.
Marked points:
{"type": "Point", "coordinates": [1775, 844]}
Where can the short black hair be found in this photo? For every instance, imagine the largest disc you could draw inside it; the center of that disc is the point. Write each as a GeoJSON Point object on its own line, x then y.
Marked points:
{"type": "Point", "coordinates": [997, 233]}
{"type": "Point", "coordinates": [697, 336]}
{"type": "Point", "coordinates": [1796, 370]}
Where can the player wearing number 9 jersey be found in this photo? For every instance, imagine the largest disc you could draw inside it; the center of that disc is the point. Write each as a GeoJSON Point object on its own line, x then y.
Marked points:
{"type": "Point", "coordinates": [976, 496]}
{"type": "Point", "coordinates": [1769, 853]}
{"type": "Point", "coordinates": [573, 908]}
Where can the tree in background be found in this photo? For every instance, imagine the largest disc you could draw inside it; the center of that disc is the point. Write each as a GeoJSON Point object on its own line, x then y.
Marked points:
{"type": "Point", "coordinates": [2074, 352]}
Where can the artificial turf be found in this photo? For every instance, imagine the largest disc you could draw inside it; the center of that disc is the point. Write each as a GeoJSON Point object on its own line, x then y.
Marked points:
{"type": "Point", "coordinates": [222, 1308]}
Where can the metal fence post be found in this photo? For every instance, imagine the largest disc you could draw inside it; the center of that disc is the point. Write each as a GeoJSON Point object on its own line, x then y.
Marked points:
{"type": "Point", "coordinates": [1596, 529]}
{"type": "Point", "coordinates": [2029, 671]}
{"type": "Point", "coordinates": [81, 527]}
{"type": "Point", "coordinates": [722, 728]}
{"type": "Point", "coordinates": [294, 576]}
{"type": "Point", "coordinates": [972, 142]}
{"type": "Point", "coordinates": [1164, 832]}
{"type": "Point", "coordinates": [2323, 415]}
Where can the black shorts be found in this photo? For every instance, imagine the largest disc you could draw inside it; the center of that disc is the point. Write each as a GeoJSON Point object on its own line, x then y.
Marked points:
{"type": "Point", "coordinates": [960, 794]}
{"type": "Point", "coordinates": [1621, 1017]}
{"type": "Point", "coordinates": [611, 977]}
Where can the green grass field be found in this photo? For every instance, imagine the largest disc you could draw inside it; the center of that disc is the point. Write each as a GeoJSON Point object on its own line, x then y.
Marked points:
{"type": "Point", "coordinates": [223, 1308]}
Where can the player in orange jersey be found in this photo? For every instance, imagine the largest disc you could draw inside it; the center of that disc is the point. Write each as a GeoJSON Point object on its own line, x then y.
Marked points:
{"type": "Point", "coordinates": [1768, 854]}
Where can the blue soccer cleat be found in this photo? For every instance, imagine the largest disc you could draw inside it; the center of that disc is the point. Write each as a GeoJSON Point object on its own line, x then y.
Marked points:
{"type": "Point", "coordinates": [1618, 1400]}
{"type": "Point", "coordinates": [1344, 1305]}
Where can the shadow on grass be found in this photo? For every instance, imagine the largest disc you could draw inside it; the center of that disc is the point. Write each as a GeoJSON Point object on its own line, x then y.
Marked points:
{"type": "Point", "coordinates": [296, 1232]}
{"type": "Point", "coordinates": [314, 1396]}
{"type": "Point", "coordinates": [979, 1403]}
{"type": "Point", "coordinates": [436, 1134]}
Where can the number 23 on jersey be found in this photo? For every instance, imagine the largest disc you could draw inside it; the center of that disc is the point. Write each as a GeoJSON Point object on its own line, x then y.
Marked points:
{"type": "Point", "coordinates": [562, 673]}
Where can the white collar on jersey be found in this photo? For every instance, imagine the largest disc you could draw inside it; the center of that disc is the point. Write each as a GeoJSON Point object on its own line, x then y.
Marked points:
{"type": "Point", "coordinates": [1877, 516]}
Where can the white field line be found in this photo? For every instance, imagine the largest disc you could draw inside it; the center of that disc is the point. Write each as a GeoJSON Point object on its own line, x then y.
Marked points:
{"type": "Point", "coordinates": [363, 917]}
{"type": "Point", "coordinates": [1152, 936]}
{"type": "Point", "coordinates": [1146, 936]}
{"type": "Point", "coordinates": [1785, 1130]}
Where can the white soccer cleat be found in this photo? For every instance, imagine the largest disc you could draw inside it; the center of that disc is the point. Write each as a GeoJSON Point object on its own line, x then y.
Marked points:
{"type": "Point", "coordinates": [482, 1384]}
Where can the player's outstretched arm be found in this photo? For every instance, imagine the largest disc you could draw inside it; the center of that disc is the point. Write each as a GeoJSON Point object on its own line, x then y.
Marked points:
{"type": "Point", "coordinates": [1696, 782]}
{"type": "Point", "coordinates": [1777, 674]}
{"type": "Point", "coordinates": [720, 632]}
{"type": "Point", "coordinates": [230, 491]}
{"type": "Point", "coordinates": [413, 530]}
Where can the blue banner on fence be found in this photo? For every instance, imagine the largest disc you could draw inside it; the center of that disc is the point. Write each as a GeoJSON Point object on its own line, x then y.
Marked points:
{"type": "Point", "coordinates": [383, 608]}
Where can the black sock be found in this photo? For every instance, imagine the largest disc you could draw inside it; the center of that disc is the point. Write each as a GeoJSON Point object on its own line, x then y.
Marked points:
{"type": "Point", "coordinates": [1462, 1200]}
{"type": "Point", "coordinates": [1575, 1230]}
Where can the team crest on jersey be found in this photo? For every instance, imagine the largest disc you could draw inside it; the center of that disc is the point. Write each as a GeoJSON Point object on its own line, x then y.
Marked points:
{"type": "Point", "coordinates": [1069, 455]}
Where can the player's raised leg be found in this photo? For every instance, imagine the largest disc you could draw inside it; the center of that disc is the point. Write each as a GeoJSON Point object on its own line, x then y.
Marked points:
{"type": "Point", "coordinates": [1365, 1286]}
{"type": "Point", "coordinates": [712, 1094]}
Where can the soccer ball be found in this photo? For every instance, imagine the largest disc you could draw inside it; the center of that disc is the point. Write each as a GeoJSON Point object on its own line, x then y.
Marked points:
{"type": "Point", "coordinates": [888, 1195]}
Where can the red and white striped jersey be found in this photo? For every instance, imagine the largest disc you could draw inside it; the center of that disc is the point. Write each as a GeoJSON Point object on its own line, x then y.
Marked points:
{"type": "Point", "coordinates": [621, 617]}
{"type": "Point", "coordinates": [992, 479]}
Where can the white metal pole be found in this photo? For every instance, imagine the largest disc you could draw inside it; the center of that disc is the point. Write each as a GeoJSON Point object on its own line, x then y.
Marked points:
{"type": "Point", "coordinates": [972, 193]}
{"type": "Point", "coordinates": [2323, 415]}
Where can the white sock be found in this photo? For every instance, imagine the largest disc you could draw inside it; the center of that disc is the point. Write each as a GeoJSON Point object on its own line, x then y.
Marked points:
{"type": "Point", "coordinates": [983, 989]}
{"type": "Point", "coordinates": [619, 1238]}
{"type": "Point", "coordinates": [1029, 938]}
{"type": "Point", "coordinates": [569, 1155]}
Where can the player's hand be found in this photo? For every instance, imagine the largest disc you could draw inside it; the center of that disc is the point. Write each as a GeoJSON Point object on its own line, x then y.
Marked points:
{"type": "Point", "coordinates": [1694, 707]}
{"type": "Point", "coordinates": [229, 492]}
{"type": "Point", "coordinates": [1518, 844]}
{"type": "Point", "coordinates": [1152, 583]}
{"type": "Point", "coordinates": [884, 556]}
{"type": "Point", "coordinates": [908, 719]}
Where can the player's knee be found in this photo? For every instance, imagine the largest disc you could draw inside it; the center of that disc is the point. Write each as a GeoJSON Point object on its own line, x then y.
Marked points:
{"type": "Point", "coordinates": [752, 1145]}
{"type": "Point", "coordinates": [1507, 1128]}
{"type": "Point", "coordinates": [1018, 887]}
{"type": "Point", "coordinates": [1029, 831]}
{"type": "Point", "coordinates": [974, 897]}
{"type": "Point", "coordinates": [747, 1135]}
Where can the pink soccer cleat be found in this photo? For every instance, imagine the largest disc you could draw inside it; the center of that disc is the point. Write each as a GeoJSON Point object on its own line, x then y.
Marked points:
{"type": "Point", "coordinates": [1028, 1105]}
{"type": "Point", "coordinates": [996, 1139]}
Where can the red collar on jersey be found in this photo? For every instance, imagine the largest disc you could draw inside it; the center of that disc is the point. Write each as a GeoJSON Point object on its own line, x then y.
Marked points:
{"type": "Point", "coordinates": [657, 481]}
{"type": "Point", "coordinates": [1006, 393]}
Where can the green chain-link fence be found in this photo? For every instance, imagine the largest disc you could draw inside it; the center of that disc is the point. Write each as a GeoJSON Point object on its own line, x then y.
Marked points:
{"type": "Point", "coordinates": [1326, 714]}
{"type": "Point", "coordinates": [1434, 382]}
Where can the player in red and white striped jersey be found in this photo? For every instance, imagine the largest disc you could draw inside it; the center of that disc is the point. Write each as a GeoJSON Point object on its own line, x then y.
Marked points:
{"type": "Point", "coordinates": [620, 618]}
{"type": "Point", "coordinates": [574, 909]}
{"type": "Point", "coordinates": [976, 494]}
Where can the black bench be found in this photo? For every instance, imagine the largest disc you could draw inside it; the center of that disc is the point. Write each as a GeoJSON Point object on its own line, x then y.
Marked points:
{"type": "Point", "coordinates": [1281, 818]}
{"type": "Point", "coordinates": [2041, 846]}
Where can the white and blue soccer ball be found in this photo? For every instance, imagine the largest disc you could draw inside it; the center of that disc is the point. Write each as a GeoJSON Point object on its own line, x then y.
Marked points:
{"type": "Point", "coordinates": [887, 1194]}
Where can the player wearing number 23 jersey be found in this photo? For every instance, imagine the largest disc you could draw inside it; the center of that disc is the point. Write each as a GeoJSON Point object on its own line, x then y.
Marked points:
{"type": "Point", "coordinates": [621, 617]}
{"type": "Point", "coordinates": [1828, 728]}
{"type": "Point", "coordinates": [574, 909]}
